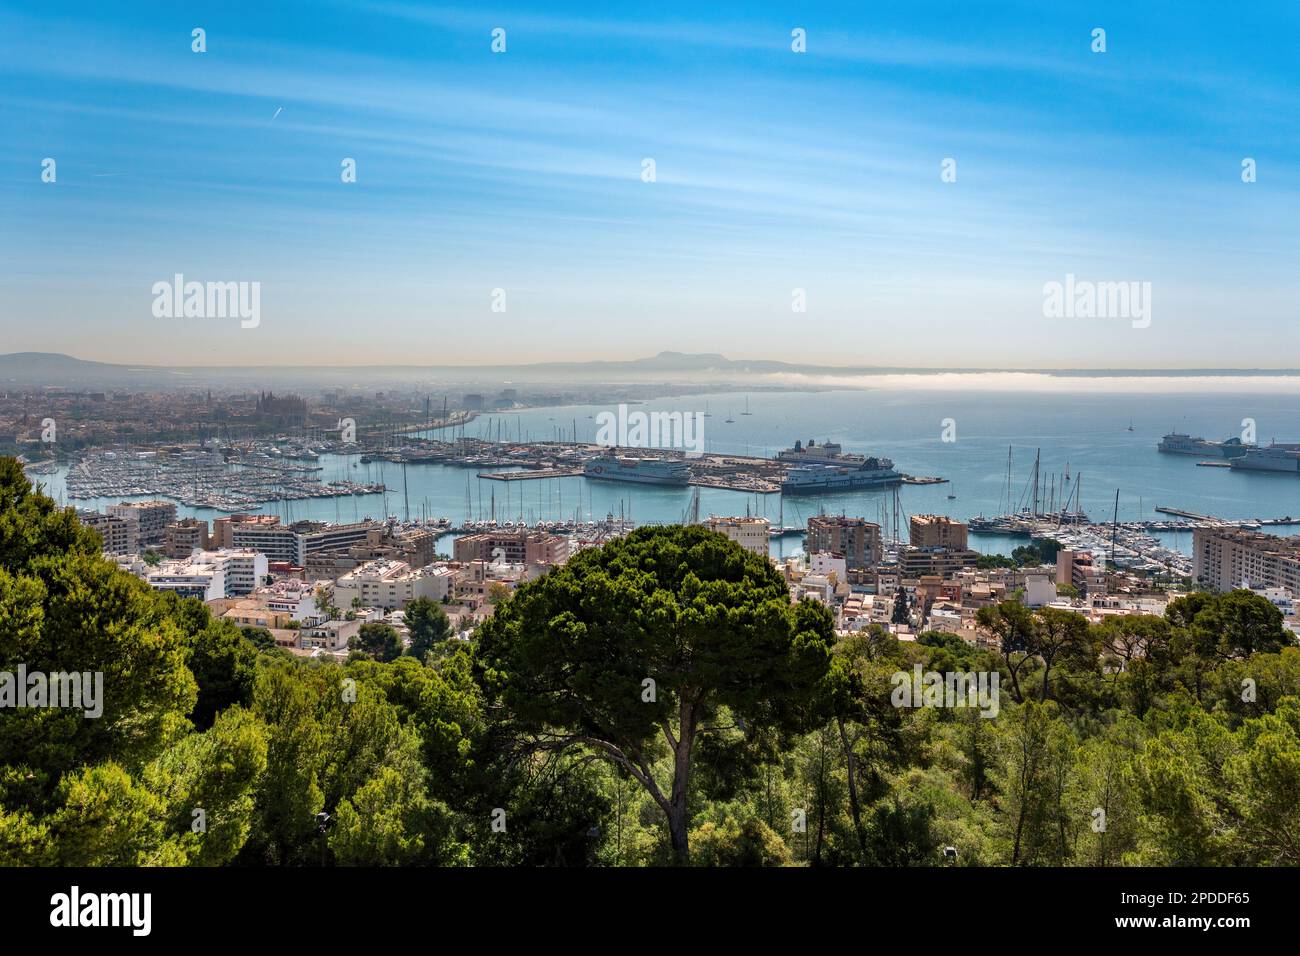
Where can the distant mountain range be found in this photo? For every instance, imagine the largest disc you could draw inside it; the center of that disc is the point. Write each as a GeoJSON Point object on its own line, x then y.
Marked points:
{"type": "Point", "coordinates": [55, 369]}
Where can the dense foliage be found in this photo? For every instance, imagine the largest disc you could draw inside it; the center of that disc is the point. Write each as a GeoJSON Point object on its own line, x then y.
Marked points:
{"type": "Point", "coordinates": [658, 700]}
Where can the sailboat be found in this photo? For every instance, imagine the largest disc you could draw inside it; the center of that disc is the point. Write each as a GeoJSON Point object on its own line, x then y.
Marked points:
{"type": "Point", "coordinates": [729, 420]}
{"type": "Point", "coordinates": [746, 411]}
{"type": "Point", "coordinates": [1130, 424]}
{"type": "Point", "coordinates": [707, 413]}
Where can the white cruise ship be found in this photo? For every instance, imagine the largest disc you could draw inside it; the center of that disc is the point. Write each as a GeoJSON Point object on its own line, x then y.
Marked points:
{"type": "Point", "coordinates": [818, 479]}
{"type": "Point", "coordinates": [1178, 443]}
{"type": "Point", "coordinates": [611, 466]}
{"type": "Point", "coordinates": [1275, 457]}
{"type": "Point", "coordinates": [827, 453]}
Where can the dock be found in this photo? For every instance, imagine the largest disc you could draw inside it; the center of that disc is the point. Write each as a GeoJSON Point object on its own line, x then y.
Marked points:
{"type": "Point", "coordinates": [751, 484]}
{"type": "Point", "coordinates": [531, 473]}
{"type": "Point", "coordinates": [1179, 513]}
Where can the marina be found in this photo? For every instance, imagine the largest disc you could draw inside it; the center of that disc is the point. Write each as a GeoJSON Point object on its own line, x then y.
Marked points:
{"type": "Point", "coordinates": [742, 474]}
{"type": "Point", "coordinates": [203, 479]}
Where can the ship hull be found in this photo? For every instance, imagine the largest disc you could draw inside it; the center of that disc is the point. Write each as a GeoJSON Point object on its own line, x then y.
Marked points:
{"type": "Point", "coordinates": [640, 479]}
{"type": "Point", "coordinates": [1290, 467]}
{"type": "Point", "coordinates": [829, 487]}
{"type": "Point", "coordinates": [1202, 448]}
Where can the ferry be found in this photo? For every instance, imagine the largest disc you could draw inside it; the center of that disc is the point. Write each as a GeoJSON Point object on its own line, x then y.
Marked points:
{"type": "Point", "coordinates": [825, 478]}
{"type": "Point", "coordinates": [1284, 458]}
{"type": "Point", "coordinates": [1178, 443]}
{"type": "Point", "coordinates": [814, 454]}
{"type": "Point", "coordinates": [611, 466]}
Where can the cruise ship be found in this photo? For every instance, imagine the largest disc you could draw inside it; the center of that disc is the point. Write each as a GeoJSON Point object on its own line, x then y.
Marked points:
{"type": "Point", "coordinates": [815, 454]}
{"type": "Point", "coordinates": [819, 479]}
{"type": "Point", "coordinates": [1178, 443]}
{"type": "Point", "coordinates": [1275, 457]}
{"type": "Point", "coordinates": [611, 466]}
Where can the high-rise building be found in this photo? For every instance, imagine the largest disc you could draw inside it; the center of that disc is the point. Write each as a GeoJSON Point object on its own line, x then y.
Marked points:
{"type": "Point", "coordinates": [856, 538]}
{"type": "Point", "coordinates": [153, 517]}
{"type": "Point", "coordinates": [513, 547]}
{"type": "Point", "coordinates": [263, 532]}
{"type": "Point", "coordinates": [1085, 570]}
{"type": "Point", "coordinates": [182, 538]}
{"type": "Point", "coordinates": [944, 562]}
{"type": "Point", "coordinates": [1229, 558]}
{"type": "Point", "coordinates": [290, 543]}
{"type": "Point", "coordinates": [120, 534]}
{"type": "Point", "coordinates": [937, 531]}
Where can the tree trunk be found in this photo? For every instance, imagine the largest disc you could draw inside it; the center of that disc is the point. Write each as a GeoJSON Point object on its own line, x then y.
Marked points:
{"type": "Point", "coordinates": [821, 797]}
{"type": "Point", "coordinates": [850, 759]}
{"type": "Point", "coordinates": [1025, 774]}
{"type": "Point", "coordinates": [1020, 822]}
{"type": "Point", "coordinates": [678, 819]}
{"type": "Point", "coordinates": [677, 830]}
{"type": "Point", "coordinates": [1015, 678]}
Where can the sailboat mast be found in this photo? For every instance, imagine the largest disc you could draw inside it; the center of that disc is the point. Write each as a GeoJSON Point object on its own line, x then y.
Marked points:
{"type": "Point", "coordinates": [1009, 505]}
{"type": "Point", "coordinates": [406, 494]}
{"type": "Point", "coordinates": [1114, 527]}
{"type": "Point", "coordinates": [1037, 456]}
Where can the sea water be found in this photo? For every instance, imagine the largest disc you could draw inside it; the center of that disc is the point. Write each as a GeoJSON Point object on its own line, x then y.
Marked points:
{"type": "Point", "coordinates": [962, 436]}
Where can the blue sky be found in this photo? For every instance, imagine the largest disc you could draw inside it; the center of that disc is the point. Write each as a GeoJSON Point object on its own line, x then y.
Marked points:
{"type": "Point", "coordinates": [775, 171]}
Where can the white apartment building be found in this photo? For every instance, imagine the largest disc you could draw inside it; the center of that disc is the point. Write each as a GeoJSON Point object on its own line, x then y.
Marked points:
{"type": "Point", "coordinates": [295, 598]}
{"type": "Point", "coordinates": [330, 636]}
{"type": "Point", "coordinates": [750, 533]}
{"type": "Point", "coordinates": [392, 584]}
{"type": "Point", "coordinates": [292, 543]}
{"type": "Point", "coordinates": [1229, 558]}
{"type": "Point", "coordinates": [245, 571]}
{"type": "Point", "coordinates": [1040, 590]}
{"type": "Point", "coordinates": [207, 582]}
{"type": "Point", "coordinates": [819, 587]}
{"type": "Point", "coordinates": [210, 575]}
{"type": "Point", "coordinates": [945, 616]}
{"type": "Point", "coordinates": [828, 563]}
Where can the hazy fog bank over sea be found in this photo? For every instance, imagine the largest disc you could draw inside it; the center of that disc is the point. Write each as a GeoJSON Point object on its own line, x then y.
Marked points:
{"type": "Point", "coordinates": [667, 368]}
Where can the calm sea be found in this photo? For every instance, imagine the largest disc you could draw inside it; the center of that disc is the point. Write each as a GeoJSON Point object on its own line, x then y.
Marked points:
{"type": "Point", "coordinates": [1088, 433]}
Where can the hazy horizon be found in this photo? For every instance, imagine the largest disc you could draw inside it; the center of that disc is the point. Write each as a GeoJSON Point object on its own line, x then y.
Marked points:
{"type": "Point", "coordinates": [648, 374]}
{"type": "Point", "coordinates": [1109, 372]}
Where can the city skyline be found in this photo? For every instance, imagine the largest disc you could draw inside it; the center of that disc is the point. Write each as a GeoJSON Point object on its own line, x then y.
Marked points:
{"type": "Point", "coordinates": [775, 171]}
